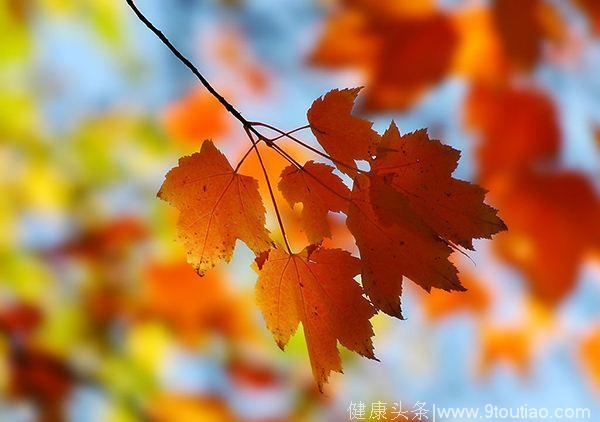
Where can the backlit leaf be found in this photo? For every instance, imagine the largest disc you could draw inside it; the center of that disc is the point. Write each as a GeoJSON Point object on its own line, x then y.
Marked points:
{"type": "Point", "coordinates": [316, 288]}
{"type": "Point", "coordinates": [217, 206]}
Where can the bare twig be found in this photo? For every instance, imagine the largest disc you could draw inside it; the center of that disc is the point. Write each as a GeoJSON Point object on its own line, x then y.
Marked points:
{"type": "Point", "coordinates": [239, 164]}
{"type": "Point", "coordinates": [305, 145]}
{"type": "Point", "coordinates": [228, 106]}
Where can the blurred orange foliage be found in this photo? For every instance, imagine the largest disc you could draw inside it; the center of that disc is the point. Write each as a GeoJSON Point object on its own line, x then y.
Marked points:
{"type": "Point", "coordinates": [186, 408]}
{"type": "Point", "coordinates": [518, 128]}
{"type": "Point", "coordinates": [402, 50]}
{"type": "Point", "coordinates": [588, 353]}
{"type": "Point", "coordinates": [196, 117]}
{"type": "Point", "coordinates": [194, 306]}
{"type": "Point", "coordinates": [440, 304]}
{"type": "Point", "coordinates": [553, 224]}
{"type": "Point", "coordinates": [512, 346]}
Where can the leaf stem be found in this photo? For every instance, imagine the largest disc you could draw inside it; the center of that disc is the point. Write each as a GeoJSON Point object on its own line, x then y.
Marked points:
{"type": "Point", "coordinates": [264, 169]}
{"type": "Point", "coordinates": [239, 164]}
{"type": "Point", "coordinates": [305, 145]}
{"type": "Point", "coordinates": [288, 157]}
{"type": "Point", "coordinates": [283, 135]}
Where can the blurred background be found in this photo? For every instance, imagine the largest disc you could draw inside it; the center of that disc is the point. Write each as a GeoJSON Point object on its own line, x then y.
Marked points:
{"type": "Point", "coordinates": [101, 319]}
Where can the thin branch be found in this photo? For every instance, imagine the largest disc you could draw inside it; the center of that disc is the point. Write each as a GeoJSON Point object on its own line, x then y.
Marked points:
{"type": "Point", "coordinates": [298, 129]}
{"type": "Point", "coordinates": [288, 157]}
{"type": "Point", "coordinates": [239, 164]}
{"type": "Point", "coordinates": [264, 169]}
{"type": "Point", "coordinates": [319, 181]}
{"type": "Point", "coordinates": [228, 106]}
{"type": "Point", "coordinates": [305, 145]}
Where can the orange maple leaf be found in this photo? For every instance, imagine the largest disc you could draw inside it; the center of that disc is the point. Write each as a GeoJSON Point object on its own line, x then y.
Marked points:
{"type": "Point", "coordinates": [415, 53]}
{"type": "Point", "coordinates": [320, 191]}
{"type": "Point", "coordinates": [217, 206]}
{"type": "Point", "coordinates": [346, 138]}
{"type": "Point", "coordinates": [421, 169]}
{"type": "Point", "coordinates": [392, 249]}
{"type": "Point", "coordinates": [519, 29]}
{"type": "Point", "coordinates": [316, 288]}
{"type": "Point", "coordinates": [408, 213]}
{"type": "Point", "coordinates": [347, 40]}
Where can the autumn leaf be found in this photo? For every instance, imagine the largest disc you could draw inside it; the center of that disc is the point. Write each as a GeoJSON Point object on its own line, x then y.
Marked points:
{"type": "Point", "coordinates": [523, 27]}
{"type": "Point", "coordinates": [408, 213]}
{"type": "Point", "coordinates": [319, 191]}
{"type": "Point", "coordinates": [391, 250]}
{"type": "Point", "coordinates": [217, 206]}
{"type": "Point", "coordinates": [421, 169]}
{"type": "Point", "coordinates": [347, 40]}
{"type": "Point", "coordinates": [346, 138]}
{"type": "Point", "coordinates": [316, 288]}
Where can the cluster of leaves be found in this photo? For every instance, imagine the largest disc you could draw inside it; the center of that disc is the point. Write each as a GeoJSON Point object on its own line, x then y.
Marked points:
{"type": "Point", "coordinates": [406, 213]}
{"type": "Point", "coordinates": [101, 294]}
{"type": "Point", "coordinates": [496, 48]}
